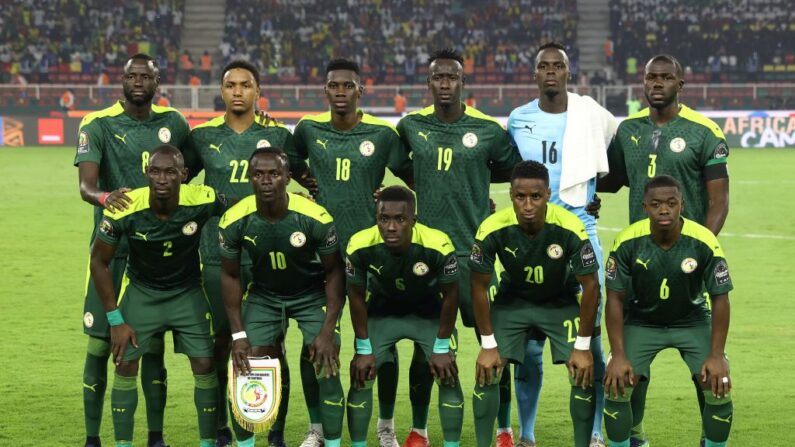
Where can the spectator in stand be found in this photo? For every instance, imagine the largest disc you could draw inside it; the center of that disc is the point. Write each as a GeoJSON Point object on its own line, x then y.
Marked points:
{"type": "Point", "coordinates": [263, 103]}
{"type": "Point", "coordinates": [400, 103]}
{"type": "Point", "coordinates": [185, 67]}
{"type": "Point", "coordinates": [206, 65]}
{"type": "Point", "coordinates": [163, 101]}
{"type": "Point", "coordinates": [67, 101]}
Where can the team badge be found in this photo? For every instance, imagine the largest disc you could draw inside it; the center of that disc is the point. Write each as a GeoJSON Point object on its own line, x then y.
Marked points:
{"type": "Point", "coordinates": [722, 150]}
{"type": "Point", "coordinates": [470, 140]}
{"type": "Point", "coordinates": [263, 143]}
{"type": "Point", "coordinates": [189, 229]}
{"type": "Point", "coordinates": [476, 255]}
{"type": "Point", "coordinates": [689, 265]}
{"type": "Point", "coordinates": [587, 255]}
{"type": "Point", "coordinates": [331, 237]}
{"type": "Point", "coordinates": [349, 269]}
{"type": "Point", "coordinates": [611, 268]}
{"type": "Point", "coordinates": [555, 251]}
{"type": "Point", "coordinates": [367, 148]}
{"type": "Point", "coordinates": [255, 396]}
{"type": "Point", "coordinates": [451, 267]}
{"type": "Point", "coordinates": [106, 227]}
{"type": "Point", "coordinates": [164, 134]}
{"type": "Point", "coordinates": [297, 239]}
{"type": "Point", "coordinates": [82, 143]}
{"type": "Point", "coordinates": [88, 319]}
{"type": "Point", "coordinates": [678, 144]}
{"type": "Point", "coordinates": [722, 273]}
{"type": "Point", "coordinates": [420, 269]}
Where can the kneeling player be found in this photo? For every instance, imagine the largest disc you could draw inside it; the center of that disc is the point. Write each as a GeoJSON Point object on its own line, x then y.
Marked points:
{"type": "Point", "coordinates": [162, 288]}
{"type": "Point", "coordinates": [402, 284]}
{"type": "Point", "coordinates": [548, 260]}
{"type": "Point", "coordinates": [296, 273]}
{"type": "Point", "coordinates": [666, 262]}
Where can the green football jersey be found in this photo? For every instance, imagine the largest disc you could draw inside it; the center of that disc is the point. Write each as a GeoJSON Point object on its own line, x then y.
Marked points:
{"type": "Point", "coordinates": [405, 284]}
{"type": "Point", "coordinates": [681, 148]}
{"type": "Point", "coordinates": [121, 145]}
{"type": "Point", "coordinates": [348, 165]}
{"type": "Point", "coordinates": [452, 169]}
{"type": "Point", "coordinates": [541, 270]}
{"type": "Point", "coordinates": [164, 254]}
{"type": "Point", "coordinates": [285, 254]}
{"type": "Point", "coordinates": [223, 154]}
{"type": "Point", "coordinates": [667, 285]}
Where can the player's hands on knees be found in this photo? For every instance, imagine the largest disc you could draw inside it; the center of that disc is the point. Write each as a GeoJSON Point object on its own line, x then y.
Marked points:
{"type": "Point", "coordinates": [488, 360]}
{"type": "Point", "coordinates": [362, 369]}
{"type": "Point", "coordinates": [241, 350]}
{"type": "Point", "coordinates": [594, 207]}
{"type": "Point", "coordinates": [715, 372]}
{"type": "Point", "coordinates": [120, 336]}
{"type": "Point", "coordinates": [444, 368]}
{"type": "Point", "coordinates": [324, 354]}
{"type": "Point", "coordinates": [619, 374]}
{"type": "Point", "coordinates": [117, 200]}
{"type": "Point", "coordinates": [580, 366]}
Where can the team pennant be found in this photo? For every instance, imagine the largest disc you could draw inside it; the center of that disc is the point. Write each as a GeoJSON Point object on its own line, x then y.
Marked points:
{"type": "Point", "coordinates": [255, 397]}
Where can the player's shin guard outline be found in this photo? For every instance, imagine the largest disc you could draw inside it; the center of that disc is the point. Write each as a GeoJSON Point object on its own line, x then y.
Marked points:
{"type": "Point", "coordinates": [618, 417]}
{"type": "Point", "coordinates": [717, 418]}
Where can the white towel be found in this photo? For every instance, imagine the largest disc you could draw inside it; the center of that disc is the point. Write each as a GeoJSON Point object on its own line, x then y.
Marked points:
{"type": "Point", "coordinates": [589, 130]}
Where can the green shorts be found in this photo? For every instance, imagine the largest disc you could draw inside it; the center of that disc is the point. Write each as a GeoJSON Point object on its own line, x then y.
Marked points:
{"type": "Point", "coordinates": [265, 319]}
{"type": "Point", "coordinates": [514, 322]}
{"type": "Point", "coordinates": [385, 332]}
{"type": "Point", "coordinates": [465, 291]}
{"type": "Point", "coordinates": [186, 313]}
{"type": "Point", "coordinates": [642, 343]}
{"type": "Point", "coordinates": [95, 323]}
{"type": "Point", "coordinates": [211, 279]}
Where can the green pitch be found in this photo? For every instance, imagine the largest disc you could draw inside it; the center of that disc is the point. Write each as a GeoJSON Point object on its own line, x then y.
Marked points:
{"type": "Point", "coordinates": [44, 228]}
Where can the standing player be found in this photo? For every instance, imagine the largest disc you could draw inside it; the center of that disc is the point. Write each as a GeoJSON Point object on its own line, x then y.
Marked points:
{"type": "Point", "coordinates": [574, 157]}
{"type": "Point", "coordinates": [457, 151]}
{"type": "Point", "coordinates": [669, 138]}
{"type": "Point", "coordinates": [666, 262]}
{"type": "Point", "coordinates": [348, 152]}
{"type": "Point", "coordinates": [548, 262]}
{"type": "Point", "coordinates": [397, 272]}
{"type": "Point", "coordinates": [222, 147]}
{"type": "Point", "coordinates": [296, 272]}
{"type": "Point", "coordinates": [161, 289]}
{"type": "Point", "coordinates": [113, 152]}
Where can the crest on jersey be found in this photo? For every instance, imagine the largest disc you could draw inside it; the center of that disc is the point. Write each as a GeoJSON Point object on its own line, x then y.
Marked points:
{"type": "Point", "coordinates": [722, 273]}
{"type": "Point", "coordinates": [255, 396]}
{"type": "Point", "coordinates": [678, 144]}
{"type": "Point", "coordinates": [82, 143]}
{"type": "Point", "coordinates": [420, 269]}
{"type": "Point", "coordinates": [164, 134]}
{"type": "Point", "coordinates": [367, 148]}
{"type": "Point", "coordinates": [587, 255]}
{"type": "Point", "coordinates": [469, 140]}
{"type": "Point", "coordinates": [88, 319]}
{"type": "Point", "coordinates": [106, 227]}
{"type": "Point", "coordinates": [451, 267]}
{"type": "Point", "coordinates": [689, 265]}
{"type": "Point", "coordinates": [297, 239]}
{"type": "Point", "coordinates": [350, 270]}
{"type": "Point", "coordinates": [611, 268]}
{"type": "Point", "coordinates": [476, 255]}
{"type": "Point", "coordinates": [263, 143]}
{"type": "Point", "coordinates": [189, 229]}
{"type": "Point", "coordinates": [722, 150]}
{"type": "Point", "coordinates": [555, 251]}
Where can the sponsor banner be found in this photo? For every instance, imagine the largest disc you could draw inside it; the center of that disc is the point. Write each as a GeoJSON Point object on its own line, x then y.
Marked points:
{"type": "Point", "coordinates": [51, 131]}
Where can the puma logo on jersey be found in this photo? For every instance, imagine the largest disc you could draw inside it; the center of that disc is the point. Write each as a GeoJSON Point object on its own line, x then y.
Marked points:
{"type": "Point", "coordinates": [321, 142]}
{"type": "Point", "coordinates": [530, 128]}
{"type": "Point", "coordinates": [334, 404]}
{"type": "Point", "coordinates": [253, 240]}
{"type": "Point", "coordinates": [513, 252]}
{"type": "Point", "coordinates": [142, 235]}
{"type": "Point", "coordinates": [424, 135]}
{"type": "Point", "coordinates": [635, 139]}
{"type": "Point", "coordinates": [728, 420]}
{"type": "Point", "coordinates": [644, 264]}
{"type": "Point", "coordinates": [587, 398]}
{"type": "Point", "coordinates": [377, 269]}
{"type": "Point", "coordinates": [359, 406]}
{"type": "Point", "coordinates": [122, 138]}
{"type": "Point", "coordinates": [612, 415]}
{"type": "Point", "coordinates": [216, 148]}
{"type": "Point", "coordinates": [91, 387]}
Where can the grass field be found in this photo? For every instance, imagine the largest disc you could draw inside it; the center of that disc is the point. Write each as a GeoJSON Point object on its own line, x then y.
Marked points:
{"type": "Point", "coordinates": [44, 229]}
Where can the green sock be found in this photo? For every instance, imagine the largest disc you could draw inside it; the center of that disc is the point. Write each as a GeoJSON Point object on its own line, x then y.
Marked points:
{"type": "Point", "coordinates": [222, 373]}
{"type": "Point", "coordinates": [485, 404]}
{"type": "Point", "coordinates": [154, 384]}
{"type": "Point", "coordinates": [242, 435]}
{"type": "Point", "coordinates": [701, 400]}
{"type": "Point", "coordinates": [639, 408]}
{"type": "Point", "coordinates": [618, 418]}
{"type": "Point", "coordinates": [504, 412]}
{"type": "Point", "coordinates": [123, 401]}
{"type": "Point", "coordinates": [717, 418]}
{"type": "Point", "coordinates": [582, 404]}
{"type": "Point", "coordinates": [451, 411]}
{"type": "Point", "coordinates": [95, 382]}
{"type": "Point", "coordinates": [332, 409]}
{"type": "Point", "coordinates": [205, 396]}
{"type": "Point", "coordinates": [311, 390]}
{"type": "Point", "coordinates": [281, 418]}
{"type": "Point", "coordinates": [420, 387]}
{"type": "Point", "coordinates": [359, 409]}
{"type": "Point", "coordinates": [387, 388]}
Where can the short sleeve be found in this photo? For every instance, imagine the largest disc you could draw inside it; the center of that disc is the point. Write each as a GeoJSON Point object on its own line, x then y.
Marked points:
{"type": "Point", "coordinates": [615, 160]}
{"type": "Point", "coordinates": [398, 162]}
{"type": "Point", "coordinates": [90, 144]}
{"type": "Point", "coordinates": [448, 269]}
{"type": "Point", "coordinates": [503, 154]}
{"type": "Point", "coordinates": [190, 153]}
{"type": "Point", "coordinates": [617, 273]}
{"type": "Point", "coordinates": [714, 149]}
{"type": "Point", "coordinates": [297, 152]}
{"type": "Point", "coordinates": [356, 268]}
{"type": "Point", "coordinates": [324, 235]}
{"type": "Point", "coordinates": [716, 276]}
{"type": "Point", "coordinates": [229, 240]}
{"type": "Point", "coordinates": [482, 255]}
{"type": "Point", "coordinates": [182, 130]}
{"type": "Point", "coordinates": [582, 257]}
{"type": "Point", "coordinates": [110, 230]}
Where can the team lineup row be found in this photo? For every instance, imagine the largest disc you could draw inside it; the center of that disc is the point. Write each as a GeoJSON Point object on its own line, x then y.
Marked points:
{"type": "Point", "coordinates": [288, 252]}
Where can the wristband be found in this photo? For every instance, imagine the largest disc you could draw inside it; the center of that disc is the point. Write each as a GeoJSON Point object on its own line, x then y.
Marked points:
{"type": "Point", "coordinates": [103, 198]}
{"type": "Point", "coordinates": [488, 341]}
{"type": "Point", "coordinates": [441, 346]}
{"type": "Point", "coordinates": [582, 343]}
{"type": "Point", "coordinates": [363, 346]}
{"type": "Point", "coordinates": [238, 335]}
{"type": "Point", "coordinates": [115, 318]}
